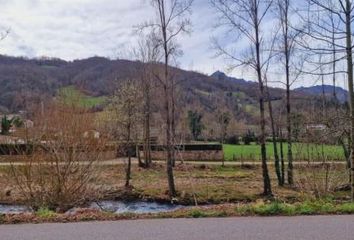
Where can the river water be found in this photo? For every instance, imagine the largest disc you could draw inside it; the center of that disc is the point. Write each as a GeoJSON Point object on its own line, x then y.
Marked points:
{"type": "Point", "coordinates": [118, 207]}
{"type": "Point", "coordinates": [139, 207]}
{"type": "Point", "coordinates": [13, 209]}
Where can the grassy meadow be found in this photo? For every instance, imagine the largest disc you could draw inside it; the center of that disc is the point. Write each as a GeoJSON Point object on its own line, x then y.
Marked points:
{"type": "Point", "coordinates": [301, 151]}
{"type": "Point", "coordinates": [72, 95]}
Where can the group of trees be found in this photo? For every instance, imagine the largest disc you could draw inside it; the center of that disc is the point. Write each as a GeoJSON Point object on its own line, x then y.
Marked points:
{"type": "Point", "coordinates": [310, 37]}
{"type": "Point", "coordinates": [303, 42]}
{"type": "Point", "coordinates": [134, 102]}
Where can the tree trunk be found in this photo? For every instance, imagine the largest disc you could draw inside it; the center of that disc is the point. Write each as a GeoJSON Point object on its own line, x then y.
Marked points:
{"type": "Point", "coordinates": [282, 157]}
{"type": "Point", "coordinates": [169, 151]}
{"type": "Point", "coordinates": [167, 104]}
{"type": "Point", "coordinates": [128, 168]}
{"type": "Point", "coordinates": [171, 185]}
{"type": "Point", "coordinates": [128, 171]}
{"type": "Point", "coordinates": [288, 121]}
{"type": "Point", "coordinates": [147, 144]}
{"type": "Point", "coordinates": [267, 190]}
{"type": "Point", "coordinates": [350, 87]}
{"type": "Point", "coordinates": [173, 126]}
{"type": "Point", "coordinates": [274, 139]}
{"type": "Point", "coordinates": [169, 146]}
{"type": "Point", "coordinates": [287, 54]}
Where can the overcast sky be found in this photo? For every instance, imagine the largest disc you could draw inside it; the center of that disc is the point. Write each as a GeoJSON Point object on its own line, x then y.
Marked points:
{"type": "Point", "coordinates": [76, 29]}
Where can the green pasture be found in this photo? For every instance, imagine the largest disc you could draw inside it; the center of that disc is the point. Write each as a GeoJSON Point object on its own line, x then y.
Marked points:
{"type": "Point", "coordinates": [301, 152]}
{"type": "Point", "coordinates": [72, 95]}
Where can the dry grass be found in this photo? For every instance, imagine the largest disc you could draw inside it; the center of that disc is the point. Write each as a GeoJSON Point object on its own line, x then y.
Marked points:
{"type": "Point", "coordinates": [204, 184]}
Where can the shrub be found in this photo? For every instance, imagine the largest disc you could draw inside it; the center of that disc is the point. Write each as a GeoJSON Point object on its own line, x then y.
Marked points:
{"type": "Point", "coordinates": [305, 209]}
{"type": "Point", "coordinates": [44, 212]}
{"type": "Point", "coordinates": [221, 214]}
{"type": "Point", "coordinates": [55, 176]}
{"type": "Point", "coordinates": [274, 208]}
{"type": "Point", "coordinates": [347, 208]}
{"type": "Point", "coordinates": [321, 180]}
{"type": "Point", "coordinates": [233, 140]}
{"type": "Point", "coordinates": [244, 210]}
{"type": "Point", "coordinates": [249, 137]}
{"type": "Point", "coordinates": [197, 213]}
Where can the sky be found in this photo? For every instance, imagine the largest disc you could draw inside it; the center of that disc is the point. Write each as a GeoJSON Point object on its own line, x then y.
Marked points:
{"type": "Point", "coordinates": [77, 29]}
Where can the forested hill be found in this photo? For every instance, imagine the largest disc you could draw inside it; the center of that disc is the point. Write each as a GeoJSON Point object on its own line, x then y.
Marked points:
{"type": "Point", "coordinates": [26, 81]}
{"type": "Point", "coordinates": [328, 90]}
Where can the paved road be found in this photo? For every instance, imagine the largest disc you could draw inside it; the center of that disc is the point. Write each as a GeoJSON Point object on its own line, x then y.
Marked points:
{"type": "Point", "coordinates": [273, 228]}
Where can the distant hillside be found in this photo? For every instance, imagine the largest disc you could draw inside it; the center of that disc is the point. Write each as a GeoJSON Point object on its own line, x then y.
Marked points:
{"type": "Point", "coordinates": [241, 82]}
{"type": "Point", "coordinates": [28, 81]}
{"type": "Point", "coordinates": [341, 94]}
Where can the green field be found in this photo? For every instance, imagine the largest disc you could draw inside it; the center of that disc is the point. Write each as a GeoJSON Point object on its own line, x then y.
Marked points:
{"type": "Point", "coordinates": [301, 152]}
{"type": "Point", "coordinates": [72, 95]}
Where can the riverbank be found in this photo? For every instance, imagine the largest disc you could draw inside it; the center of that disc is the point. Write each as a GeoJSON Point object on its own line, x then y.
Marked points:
{"type": "Point", "coordinates": [216, 190]}
{"type": "Point", "coordinates": [222, 210]}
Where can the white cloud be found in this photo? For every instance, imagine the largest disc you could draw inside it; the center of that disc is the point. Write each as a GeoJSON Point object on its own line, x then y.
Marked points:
{"type": "Point", "coordinates": [68, 29]}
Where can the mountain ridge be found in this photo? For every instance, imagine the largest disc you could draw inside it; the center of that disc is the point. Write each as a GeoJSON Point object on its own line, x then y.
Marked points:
{"type": "Point", "coordinates": [29, 81]}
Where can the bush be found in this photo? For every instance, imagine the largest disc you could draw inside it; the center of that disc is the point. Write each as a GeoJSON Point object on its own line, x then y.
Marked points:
{"type": "Point", "coordinates": [55, 177]}
{"type": "Point", "coordinates": [305, 209]}
{"type": "Point", "coordinates": [197, 214]}
{"type": "Point", "coordinates": [346, 208]}
{"type": "Point", "coordinates": [249, 137]}
{"type": "Point", "coordinates": [302, 208]}
{"type": "Point", "coordinates": [235, 140]}
{"type": "Point", "coordinates": [44, 212]}
{"type": "Point", "coordinates": [275, 208]}
{"type": "Point", "coordinates": [271, 209]}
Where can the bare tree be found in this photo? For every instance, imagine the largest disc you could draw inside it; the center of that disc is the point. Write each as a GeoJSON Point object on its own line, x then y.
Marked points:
{"type": "Point", "coordinates": [333, 38]}
{"type": "Point", "coordinates": [277, 162]}
{"type": "Point", "coordinates": [125, 105]}
{"type": "Point", "coordinates": [245, 18]}
{"type": "Point", "coordinates": [171, 21]}
{"type": "Point", "coordinates": [274, 138]}
{"type": "Point", "coordinates": [287, 37]}
{"type": "Point", "coordinates": [148, 53]}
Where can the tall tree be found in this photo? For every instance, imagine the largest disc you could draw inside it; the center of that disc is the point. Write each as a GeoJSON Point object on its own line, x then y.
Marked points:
{"type": "Point", "coordinates": [287, 38]}
{"type": "Point", "coordinates": [245, 18]}
{"type": "Point", "coordinates": [148, 54]}
{"type": "Point", "coordinates": [171, 21]}
{"type": "Point", "coordinates": [318, 38]}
